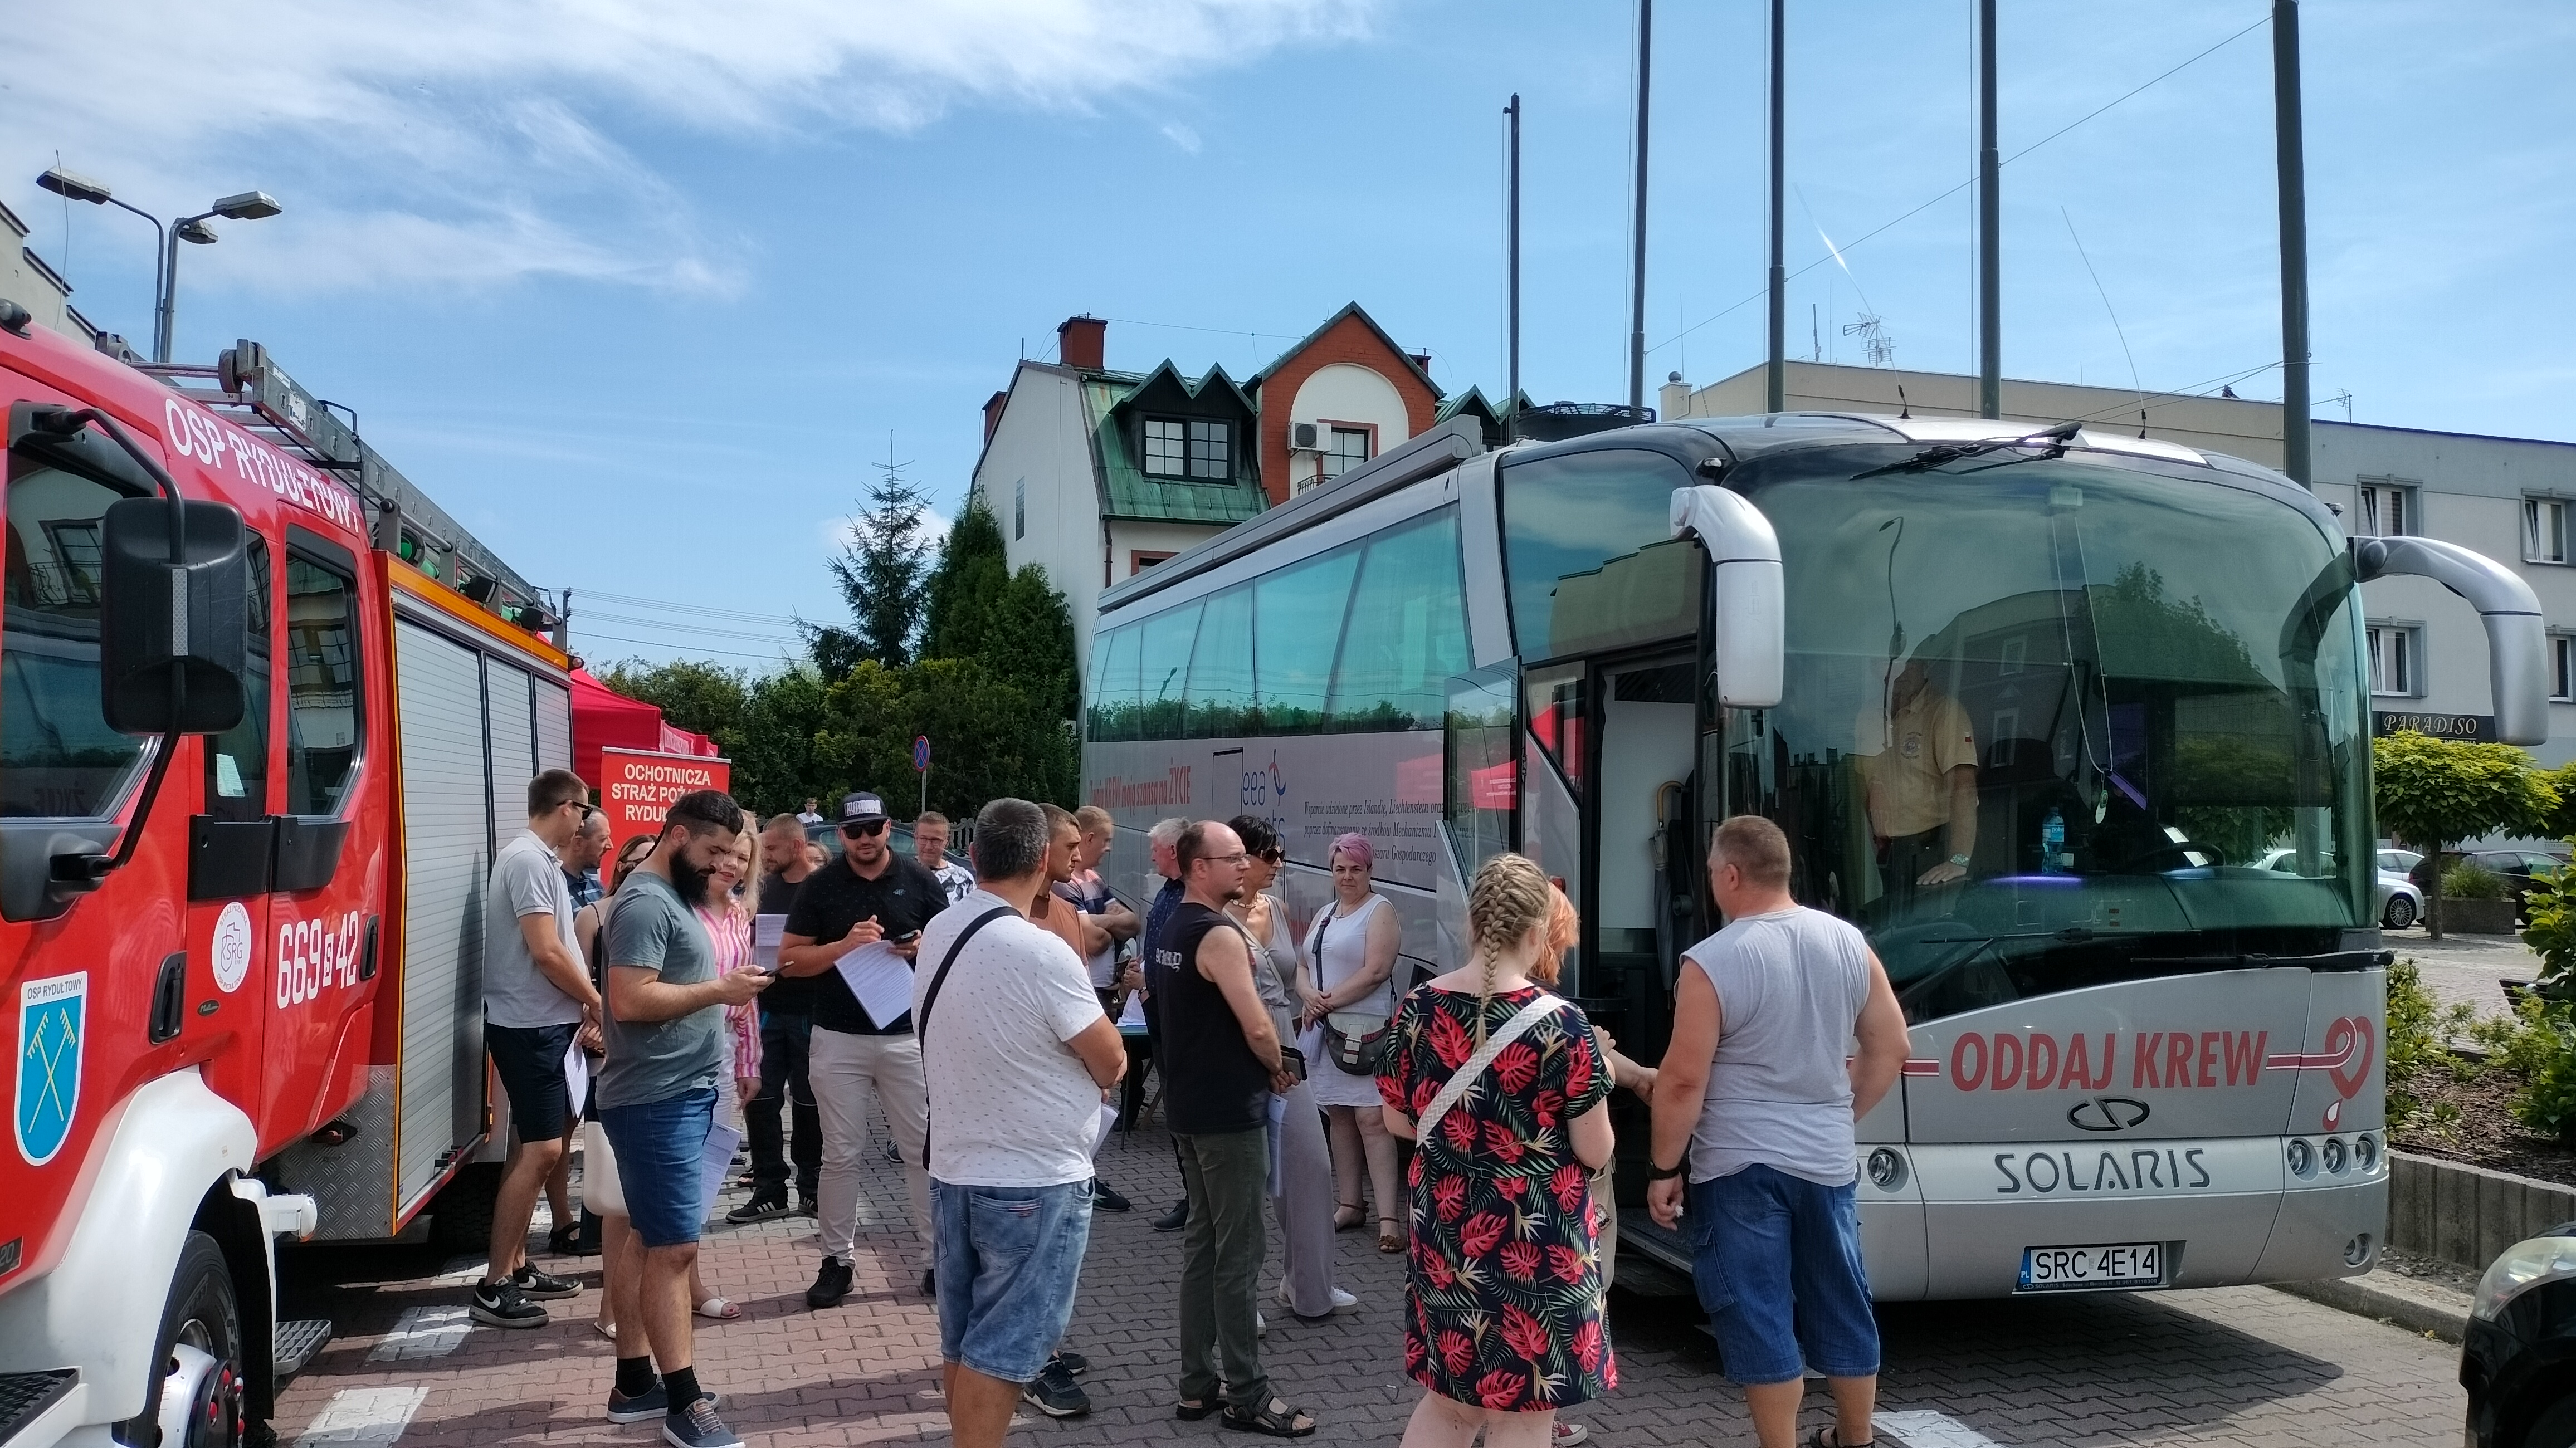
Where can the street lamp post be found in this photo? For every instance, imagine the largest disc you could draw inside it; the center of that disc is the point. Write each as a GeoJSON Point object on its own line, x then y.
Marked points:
{"type": "Point", "coordinates": [244, 206]}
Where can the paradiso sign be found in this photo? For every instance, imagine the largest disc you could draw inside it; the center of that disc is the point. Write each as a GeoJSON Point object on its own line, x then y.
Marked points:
{"type": "Point", "coordinates": [2477, 728]}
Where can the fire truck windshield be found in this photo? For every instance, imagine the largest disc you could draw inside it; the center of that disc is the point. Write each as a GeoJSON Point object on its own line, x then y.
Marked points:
{"type": "Point", "coordinates": [58, 758]}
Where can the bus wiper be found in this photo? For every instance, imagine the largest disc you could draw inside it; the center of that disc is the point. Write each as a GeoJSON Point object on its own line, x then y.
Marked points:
{"type": "Point", "coordinates": [2051, 442]}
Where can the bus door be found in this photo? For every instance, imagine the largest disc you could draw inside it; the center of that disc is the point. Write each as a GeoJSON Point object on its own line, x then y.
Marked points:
{"type": "Point", "coordinates": [1481, 772]}
{"type": "Point", "coordinates": [1637, 843]}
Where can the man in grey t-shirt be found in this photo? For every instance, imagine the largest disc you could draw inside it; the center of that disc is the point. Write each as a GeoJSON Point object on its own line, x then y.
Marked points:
{"type": "Point", "coordinates": [535, 997]}
{"type": "Point", "coordinates": [657, 1101]}
{"type": "Point", "coordinates": [1755, 1103]}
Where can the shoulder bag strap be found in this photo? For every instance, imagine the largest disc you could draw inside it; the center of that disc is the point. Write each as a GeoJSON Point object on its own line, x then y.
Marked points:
{"type": "Point", "coordinates": [1477, 1064]}
{"type": "Point", "coordinates": [930, 997]}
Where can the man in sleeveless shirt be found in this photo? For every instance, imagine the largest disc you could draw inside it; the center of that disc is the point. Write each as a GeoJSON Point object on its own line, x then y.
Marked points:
{"type": "Point", "coordinates": [1755, 1105]}
{"type": "Point", "coordinates": [1221, 1061]}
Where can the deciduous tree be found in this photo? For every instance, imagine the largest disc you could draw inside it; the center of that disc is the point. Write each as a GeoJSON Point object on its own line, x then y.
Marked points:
{"type": "Point", "coordinates": [2433, 793]}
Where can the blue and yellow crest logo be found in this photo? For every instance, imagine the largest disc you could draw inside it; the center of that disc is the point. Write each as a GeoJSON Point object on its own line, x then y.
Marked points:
{"type": "Point", "coordinates": [53, 1027]}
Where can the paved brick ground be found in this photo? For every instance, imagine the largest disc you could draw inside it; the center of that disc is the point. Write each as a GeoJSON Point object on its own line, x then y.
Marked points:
{"type": "Point", "coordinates": [2239, 1366]}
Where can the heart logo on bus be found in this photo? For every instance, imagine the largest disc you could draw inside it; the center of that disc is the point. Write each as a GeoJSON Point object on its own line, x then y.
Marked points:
{"type": "Point", "coordinates": [2355, 1040]}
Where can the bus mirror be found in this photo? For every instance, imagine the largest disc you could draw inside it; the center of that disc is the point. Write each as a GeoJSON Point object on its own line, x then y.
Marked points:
{"type": "Point", "coordinates": [174, 638]}
{"type": "Point", "coordinates": [2517, 634]}
{"type": "Point", "coordinates": [1747, 602]}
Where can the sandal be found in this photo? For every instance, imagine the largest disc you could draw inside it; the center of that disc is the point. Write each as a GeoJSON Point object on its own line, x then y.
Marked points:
{"type": "Point", "coordinates": [1189, 1411]}
{"type": "Point", "coordinates": [719, 1309]}
{"type": "Point", "coordinates": [1275, 1420]}
{"type": "Point", "coordinates": [1358, 1214]}
{"type": "Point", "coordinates": [1835, 1440]}
{"type": "Point", "coordinates": [1390, 1235]}
{"type": "Point", "coordinates": [607, 1330]}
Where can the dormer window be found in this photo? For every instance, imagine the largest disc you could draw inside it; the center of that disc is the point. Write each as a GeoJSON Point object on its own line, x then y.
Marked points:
{"type": "Point", "coordinates": [1193, 448]}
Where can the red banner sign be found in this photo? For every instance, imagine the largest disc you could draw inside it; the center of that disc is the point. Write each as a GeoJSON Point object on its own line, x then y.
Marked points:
{"type": "Point", "coordinates": [636, 788]}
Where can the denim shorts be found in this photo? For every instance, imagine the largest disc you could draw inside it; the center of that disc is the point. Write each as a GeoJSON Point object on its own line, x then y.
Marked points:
{"type": "Point", "coordinates": [530, 1060]}
{"type": "Point", "coordinates": [659, 1146]}
{"type": "Point", "coordinates": [1776, 1259]}
{"type": "Point", "coordinates": [1010, 1260]}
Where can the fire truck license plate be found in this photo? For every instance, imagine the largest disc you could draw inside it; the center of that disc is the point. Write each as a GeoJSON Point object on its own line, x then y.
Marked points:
{"type": "Point", "coordinates": [2081, 1269]}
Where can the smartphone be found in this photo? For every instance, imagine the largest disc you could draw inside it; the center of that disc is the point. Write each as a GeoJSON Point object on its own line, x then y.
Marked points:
{"type": "Point", "coordinates": [905, 938]}
{"type": "Point", "coordinates": [1294, 1060]}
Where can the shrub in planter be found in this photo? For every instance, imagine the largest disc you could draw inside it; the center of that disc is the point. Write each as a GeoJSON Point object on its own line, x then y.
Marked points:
{"type": "Point", "coordinates": [2550, 906]}
{"type": "Point", "coordinates": [2465, 881]}
{"type": "Point", "coordinates": [2420, 1029]}
{"type": "Point", "coordinates": [2537, 1043]}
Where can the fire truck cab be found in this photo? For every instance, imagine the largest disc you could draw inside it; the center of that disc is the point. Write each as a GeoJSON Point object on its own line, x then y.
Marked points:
{"type": "Point", "coordinates": [265, 713]}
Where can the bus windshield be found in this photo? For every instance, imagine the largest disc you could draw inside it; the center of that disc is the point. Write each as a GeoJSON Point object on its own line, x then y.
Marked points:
{"type": "Point", "coordinates": [2056, 723]}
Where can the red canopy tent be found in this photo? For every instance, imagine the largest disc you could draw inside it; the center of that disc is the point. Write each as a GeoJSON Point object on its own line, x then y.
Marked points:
{"type": "Point", "coordinates": [602, 718]}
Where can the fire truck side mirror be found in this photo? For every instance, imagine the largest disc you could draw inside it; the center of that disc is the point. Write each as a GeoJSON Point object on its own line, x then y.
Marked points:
{"type": "Point", "coordinates": [174, 638]}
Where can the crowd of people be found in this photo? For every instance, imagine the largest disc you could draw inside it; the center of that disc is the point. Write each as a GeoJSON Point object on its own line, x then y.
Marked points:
{"type": "Point", "coordinates": [1002, 1013]}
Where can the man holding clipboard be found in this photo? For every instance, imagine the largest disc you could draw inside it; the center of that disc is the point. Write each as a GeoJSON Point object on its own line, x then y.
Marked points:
{"type": "Point", "coordinates": [853, 931]}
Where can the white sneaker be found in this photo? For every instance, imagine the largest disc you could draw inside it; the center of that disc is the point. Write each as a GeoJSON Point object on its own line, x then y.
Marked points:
{"type": "Point", "coordinates": [1342, 1301]}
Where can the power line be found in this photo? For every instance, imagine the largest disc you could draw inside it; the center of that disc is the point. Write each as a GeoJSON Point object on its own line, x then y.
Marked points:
{"type": "Point", "coordinates": [1971, 181]}
{"type": "Point", "coordinates": [655, 623]}
{"type": "Point", "coordinates": [579, 634]}
{"type": "Point", "coordinates": [669, 607]}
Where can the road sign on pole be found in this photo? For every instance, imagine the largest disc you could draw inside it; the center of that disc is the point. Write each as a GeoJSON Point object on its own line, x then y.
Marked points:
{"type": "Point", "coordinates": [921, 763]}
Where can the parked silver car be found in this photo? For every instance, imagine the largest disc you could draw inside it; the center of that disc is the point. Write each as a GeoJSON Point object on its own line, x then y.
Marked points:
{"type": "Point", "coordinates": [2394, 896]}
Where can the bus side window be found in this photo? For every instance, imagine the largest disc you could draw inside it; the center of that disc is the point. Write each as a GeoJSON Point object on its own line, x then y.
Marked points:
{"type": "Point", "coordinates": [58, 758]}
{"type": "Point", "coordinates": [323, 719]}
{"type": "Point", "coordinates": [237, 759]}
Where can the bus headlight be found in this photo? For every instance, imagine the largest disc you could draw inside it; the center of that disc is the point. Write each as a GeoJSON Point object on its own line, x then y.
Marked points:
{"type": "Point", "coordinates": [2336, 1156]}
{"type": "Point", "coordinates": [2303, 1157]}
{"type": "Point", "coordinates": [1886, 1169]}
{"type": "Point", "coordinates": [2365, 1152]}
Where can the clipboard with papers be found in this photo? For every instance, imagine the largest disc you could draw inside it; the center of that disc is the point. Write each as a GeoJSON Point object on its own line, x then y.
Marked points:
{"type": "Point", "coordinates": [881, 979]}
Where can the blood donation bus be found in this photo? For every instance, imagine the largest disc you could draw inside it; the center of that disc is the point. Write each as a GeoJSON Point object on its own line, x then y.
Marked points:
{"type": "Point", "coordinates": [258, 731]}
{"type": "Point", "coordinates": [2035, 709]}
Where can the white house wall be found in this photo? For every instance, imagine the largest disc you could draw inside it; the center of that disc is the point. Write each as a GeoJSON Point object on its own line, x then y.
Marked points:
{"type": "Point", "coordinates": [1041, 443]}
{"type": "Point", "coordinates": [1350, 395]}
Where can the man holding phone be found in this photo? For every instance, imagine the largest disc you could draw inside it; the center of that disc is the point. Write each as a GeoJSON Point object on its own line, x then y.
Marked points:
{"type": "Point", "coordinates": [869, 896]}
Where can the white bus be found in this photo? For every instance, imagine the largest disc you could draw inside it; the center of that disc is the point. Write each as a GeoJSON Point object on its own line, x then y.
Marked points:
{"type": "Point", "coordinates": [2137, 1059]}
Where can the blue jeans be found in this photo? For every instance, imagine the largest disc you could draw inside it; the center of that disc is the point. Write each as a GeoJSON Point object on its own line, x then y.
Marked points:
{"type": "Point", "coordinates": [1776, 1259]}
{"type": "Point", "coordinates": [1010, 1261]}
{"type": "Point", "coordinates": [659, 1146]}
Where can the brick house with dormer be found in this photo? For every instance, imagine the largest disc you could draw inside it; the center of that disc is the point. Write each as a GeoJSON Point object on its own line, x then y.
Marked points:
{"type": "Point", "coordinates": [1095, 473]}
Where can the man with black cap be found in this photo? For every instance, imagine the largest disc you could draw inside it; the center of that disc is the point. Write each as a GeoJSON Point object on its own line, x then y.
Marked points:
{"type": "Point", "coordinates": [869, 895]}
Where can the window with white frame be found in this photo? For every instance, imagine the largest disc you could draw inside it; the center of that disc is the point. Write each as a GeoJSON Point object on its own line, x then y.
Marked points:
{"type": "Point", "coordinates": [2397, 660]}
{"type": "Point", "coordinates": [2544, 530]}
{"type": "Point", "coordinates": [1167, 447]}
{"type": "Point", "coordinates": [2388, 508]}
{"type": "Point", "coordinates": [2562, 667]}
{"type": "Point", "coordinates": [1350, 449]}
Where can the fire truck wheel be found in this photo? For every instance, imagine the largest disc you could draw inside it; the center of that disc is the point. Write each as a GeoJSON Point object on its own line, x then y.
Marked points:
{"type": "Point", "coordinates": [460, 1218]}
{"type": "Point", "coordinates": [197, 1401]}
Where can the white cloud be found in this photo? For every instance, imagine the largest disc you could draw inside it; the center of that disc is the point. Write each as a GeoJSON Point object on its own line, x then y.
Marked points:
{"type": "Point", "coordinates": [1185, 137]}
{"type": "Point", "coordinates": [472, 142]}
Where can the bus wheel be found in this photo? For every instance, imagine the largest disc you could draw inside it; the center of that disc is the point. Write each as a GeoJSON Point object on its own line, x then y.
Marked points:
{"type": "Point", "coordinates": [197, 1400]}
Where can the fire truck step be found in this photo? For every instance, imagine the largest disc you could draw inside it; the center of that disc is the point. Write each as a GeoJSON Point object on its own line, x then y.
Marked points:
{"type": "Point", "coordinates": [26, 1397]}
{"type": "Point", "coordinates": [297, 1342]}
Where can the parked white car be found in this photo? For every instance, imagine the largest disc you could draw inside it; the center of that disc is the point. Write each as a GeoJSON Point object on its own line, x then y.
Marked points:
{"type": "Point", "coordinates": [2394, 896]}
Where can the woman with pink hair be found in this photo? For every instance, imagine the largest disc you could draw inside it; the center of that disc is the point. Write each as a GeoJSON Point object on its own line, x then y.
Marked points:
{"type": "Point", "coordinates": [1350, 963]}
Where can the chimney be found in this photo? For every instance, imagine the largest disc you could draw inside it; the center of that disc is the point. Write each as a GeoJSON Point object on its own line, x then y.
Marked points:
{"type": "Point", "coordinates": [1421, 360]}
{"type": "Point", "coordinates": [1674, 400]}
{"type": "Point", "coordinates": [993, 413]}
{"type": "Point", "coordinates": [1080, 342]}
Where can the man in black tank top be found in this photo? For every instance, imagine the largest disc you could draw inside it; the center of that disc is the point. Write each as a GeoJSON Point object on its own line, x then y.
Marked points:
{"type": "Point", "coordinates": [1221, 1062]}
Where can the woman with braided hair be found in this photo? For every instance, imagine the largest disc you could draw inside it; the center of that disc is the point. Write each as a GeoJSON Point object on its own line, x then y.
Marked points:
{"type": "Point", "coordinates": [1502, 1089]}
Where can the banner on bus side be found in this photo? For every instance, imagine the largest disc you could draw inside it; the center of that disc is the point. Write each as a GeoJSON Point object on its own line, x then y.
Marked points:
{"type": "Point", "coordinates": [636, 788]}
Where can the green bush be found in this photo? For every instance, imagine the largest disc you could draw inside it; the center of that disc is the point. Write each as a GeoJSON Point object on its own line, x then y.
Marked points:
{"type": "Point", "coordinates": [2537, 1043]}
{"type": "Point", "coordinates": [2420, 1029]}
{"type": "Point", "coordinates": [2550, 906]}
{"type": "Point", "coordinates": [2465, 881]}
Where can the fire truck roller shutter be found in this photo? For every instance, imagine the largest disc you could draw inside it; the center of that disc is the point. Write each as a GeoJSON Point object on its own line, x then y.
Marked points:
{"type": "Point", "coordinates": [512, 708]}
{"type": "Point", "coordinates": [554, 727]}
{"type": "Point", "coordinates": [447, 842]}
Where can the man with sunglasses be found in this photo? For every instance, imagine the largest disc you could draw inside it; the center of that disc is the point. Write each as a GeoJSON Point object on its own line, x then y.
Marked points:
{"type": "Point", "coordinates": [536, 995]}
{"type": "Point", "coordinates": [868, 895]}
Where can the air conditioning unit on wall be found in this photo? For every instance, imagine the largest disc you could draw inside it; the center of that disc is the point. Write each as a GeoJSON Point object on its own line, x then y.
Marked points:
{"type": "Point", "coordinates": [1306, 437]}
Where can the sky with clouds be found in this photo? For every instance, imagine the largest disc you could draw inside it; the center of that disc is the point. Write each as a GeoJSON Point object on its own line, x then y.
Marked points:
{"type": "Point", "coordinates": [640, 289]}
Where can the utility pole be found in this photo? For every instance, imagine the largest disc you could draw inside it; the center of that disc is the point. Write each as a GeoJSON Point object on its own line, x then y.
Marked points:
{"type": "Point", "coordinates": [1512, 285]}
{"type": "Point", "coordinates": [2292, 166]}
{"type": "Point", "coordinates": [1637, 279]}
{"type": "Point", "coordinates": [1990, 242]}
{"type": "Point", "coordinates": [1776, 387]}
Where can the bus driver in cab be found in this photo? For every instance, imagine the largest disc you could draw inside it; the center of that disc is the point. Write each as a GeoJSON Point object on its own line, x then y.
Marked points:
{"type": "Point", "coordinates": [1922, 786]}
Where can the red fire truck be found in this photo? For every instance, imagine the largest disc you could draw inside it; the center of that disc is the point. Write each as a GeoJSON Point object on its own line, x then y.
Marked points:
{"type": "Point", "coordinates": [264, 711]}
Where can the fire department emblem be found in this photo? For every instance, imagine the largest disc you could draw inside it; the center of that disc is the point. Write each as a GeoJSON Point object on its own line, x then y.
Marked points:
{"type": "Point", "coordinates": [232, 946]}
{"type": "Point", "coordinates": [52, 1029]}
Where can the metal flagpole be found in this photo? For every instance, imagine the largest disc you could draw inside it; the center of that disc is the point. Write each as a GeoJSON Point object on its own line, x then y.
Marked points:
{"type": "Point", "coordinates": [2292, 164]}
{"type": "Point", "coordinates": [1776, 388]}
{"type": "Point", "coordinates": [1990, 253]}
{"type": "Point", "coordinates": [1637, 279]}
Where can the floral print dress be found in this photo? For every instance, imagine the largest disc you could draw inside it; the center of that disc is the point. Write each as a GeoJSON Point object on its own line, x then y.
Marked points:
{"type": "Point", "coordinates": [1504, 1266]}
